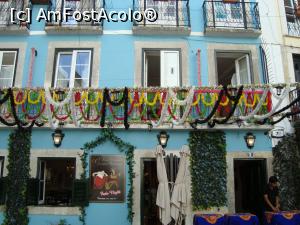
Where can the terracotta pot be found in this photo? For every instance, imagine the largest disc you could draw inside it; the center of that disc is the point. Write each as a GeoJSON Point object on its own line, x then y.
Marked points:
{"type": "Point", "coordinates": [298, 11]}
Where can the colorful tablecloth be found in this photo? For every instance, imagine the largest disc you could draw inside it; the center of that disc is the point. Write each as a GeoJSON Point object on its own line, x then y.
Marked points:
{"type": "Point", "coordinates": [241, 219]}
{"type": "Point", "coordinates": [282, 218]}
{"type": "Point", "coordinates": [208, 219]}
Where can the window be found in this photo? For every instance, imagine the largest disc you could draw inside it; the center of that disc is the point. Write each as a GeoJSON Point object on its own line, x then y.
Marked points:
{"type": "Point", "coordinates": [7, 68]}
{"type": "Point", "coordinates": [1, 166]}
{"type": "Point", "coordinates": [4, 14]}
{"type": "Point", "coordinates": [290, 10]}
{"type": "Point", "coordinates": [56, 177]}
{"type": "Point", "coordinates": [161, 68]}
{"type": "Point", "coordinates": [73, 69]}
{"type": "Point", "coordinates": [296, 59]}
{"type": "Point", "coordinates": [233, 68]}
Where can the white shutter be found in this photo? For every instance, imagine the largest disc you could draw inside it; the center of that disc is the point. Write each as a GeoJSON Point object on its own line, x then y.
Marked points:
{"type": "Point", "coordinates": [242, 66]}
{"type": "Point", "coordinates": [169, 73]}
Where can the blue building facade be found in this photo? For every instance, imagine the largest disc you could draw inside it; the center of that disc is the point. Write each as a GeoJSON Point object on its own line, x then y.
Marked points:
{"type": "Point", "coordinates": [200, 42]}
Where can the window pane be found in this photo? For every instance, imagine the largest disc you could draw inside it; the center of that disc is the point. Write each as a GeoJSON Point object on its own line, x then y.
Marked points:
{"type": "Point", "coordinates": [63, 72]}
{"type": "Point", "coordinates": [82, 72]}
{"type": "Point", "coordinates": [8, 58]}
{"type": "Point", "coordinates": [83, 58]}
{"type": "Point", "coordinates": [5, 83]}
{"type": "Point", "coordinates": [62, 83]}
{"type": "Point", "coordinates": [244, 71]}
{"type": "Point", "coordinates": [65, 59]}
{"type": "Point", "coordinates": [7, 72]}
{"type": "Point", "coordinates": [84, 83]}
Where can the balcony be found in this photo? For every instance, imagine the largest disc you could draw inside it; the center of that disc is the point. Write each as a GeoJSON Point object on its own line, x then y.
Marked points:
{"type": "Point", "coordinates": [294, 94]}
{"type": "Point", "coordinates": [173, 17]}
{"type": "Point", "coordinates": [293, 18]}
{"type": "Point", "coordinates": [138, 107]}
{"type": "Point", "coordinates": [6, 25]}
{"type": "Point", "coordinates": [70, 25]}
{"type": "Point", "coordinates": [231, 18]}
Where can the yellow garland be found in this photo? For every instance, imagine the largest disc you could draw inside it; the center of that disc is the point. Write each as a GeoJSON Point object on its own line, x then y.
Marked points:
{"type": "Point", "coordinates": [22, 101]}
{"type": "Point", "coordinates": [197, 100]}
{"type": "Point", "coordinates": [213, 100]}
{"type": "Point", "coordinates": [41, 96]}
{"type": "Point", "coordinates": [92, 102]}
{"type": "Point", "coordinates": [83, 96]}
{"type": "Point", "coordinates": [225, 103]}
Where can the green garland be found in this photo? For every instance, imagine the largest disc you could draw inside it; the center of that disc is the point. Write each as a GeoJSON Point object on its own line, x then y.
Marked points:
{"type": "Point", "coordinates": [208, 169]}
{"type": "Point", "coordinates": [124, 147]}
{"type": "Point", "coordinates": [287, 168]}
{"type": "Point", "coordinates": [19, 145]}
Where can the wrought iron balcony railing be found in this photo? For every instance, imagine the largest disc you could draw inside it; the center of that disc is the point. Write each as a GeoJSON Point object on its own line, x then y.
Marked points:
{"type": "Point", "coordinates": [75, 5]}
{"type": "Point", "coordinates": [172, 13]}
{"type": "Point", "coordinates": [293, 19]}
{"type": "Point", "coordinates": [5, 12]}
{"type": "Point", "coordinates": [295, 94]}
{"type": "Point", "coordinates": [237, 15]}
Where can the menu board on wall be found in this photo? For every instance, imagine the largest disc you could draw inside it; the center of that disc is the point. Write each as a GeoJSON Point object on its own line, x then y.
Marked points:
{"type": "Point", "coordinates": [107, 173]}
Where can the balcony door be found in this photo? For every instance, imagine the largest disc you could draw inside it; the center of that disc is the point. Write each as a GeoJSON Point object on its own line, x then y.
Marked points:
{"type": "Point", "coordinates": [4, 12]}
{"type": "Point", "coordinates": [166, 11]}
{"type": "Point", "coordinates": [73, 5]}
{"type": "Point", "coordinates": [228, 15]}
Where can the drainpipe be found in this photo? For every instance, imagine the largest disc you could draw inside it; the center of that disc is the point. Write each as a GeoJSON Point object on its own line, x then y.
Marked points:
{"type": "Point", "coordinates": [32, 59]}
{"type": "Point", "coordinates": [199, 67]}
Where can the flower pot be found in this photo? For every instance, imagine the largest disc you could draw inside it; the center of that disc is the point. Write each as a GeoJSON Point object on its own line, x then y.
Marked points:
{"type": "Point", "coordinates": [298, 11]}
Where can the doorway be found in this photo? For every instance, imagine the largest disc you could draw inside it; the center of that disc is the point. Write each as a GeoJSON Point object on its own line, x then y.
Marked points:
{"type": "Point", "coordinates": [250, 179]}
{"type": "Point", "coordinates": [149, 185]}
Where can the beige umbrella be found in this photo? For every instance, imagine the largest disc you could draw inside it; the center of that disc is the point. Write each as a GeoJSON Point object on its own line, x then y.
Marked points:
{"type": "Point", "coordinates": [163, 192]}
{"type": "Point", "coordinates": [179, 198]}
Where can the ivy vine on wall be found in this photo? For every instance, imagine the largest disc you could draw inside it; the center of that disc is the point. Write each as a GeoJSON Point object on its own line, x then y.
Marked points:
{"type": "Point", "coordinates": [286, 165]}
{"type": "Point", "coordinates": [124, 147]}
{"type": "Point", "coordinates": [19, 144]}
{"type": "Point", "coordinates": [208, 169]}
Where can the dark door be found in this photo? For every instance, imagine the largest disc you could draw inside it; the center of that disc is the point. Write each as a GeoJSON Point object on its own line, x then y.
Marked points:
{"type": "Point", "coordinates": [296, 59]}
{"type": "Point", "coordinates": [149, 185]}
{"type": "Point", "coordinates": [250, 179]}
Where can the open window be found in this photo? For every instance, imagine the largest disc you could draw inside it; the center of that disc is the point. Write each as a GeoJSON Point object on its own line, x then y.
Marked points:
{"type": "Point", "coordinates": [7, 68]}
{"type": "Point", "coordinates": [73, 69]}
{"type": "Point", "coordinates": [161, 68]}
{"type": "Point", "coordinates": [290, 10]}
{"type": "Point", "coordinates": [56, 177]}
{"type": "Point", "coordinates": [233, 68]}
{"type": "Point", "coordinates": [296, 59]}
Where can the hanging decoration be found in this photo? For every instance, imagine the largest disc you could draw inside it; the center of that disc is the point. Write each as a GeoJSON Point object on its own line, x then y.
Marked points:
{"type": "Point", "coordinates": [30, 107]}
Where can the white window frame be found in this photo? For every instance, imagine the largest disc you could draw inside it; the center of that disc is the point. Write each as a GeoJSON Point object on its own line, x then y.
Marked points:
{"type": "Point", "coordinates": [14, 66]}
{"type": "Point", "coordinates": [162, 62]}
{"type": "Point", "coordinates": [1, 166]}
{"type": "Point", "coordinates": [42, 201]}
{"type": "Point", "coordinates": [73, 66]}
{"type": "Point", "coordinates": [237, 68]}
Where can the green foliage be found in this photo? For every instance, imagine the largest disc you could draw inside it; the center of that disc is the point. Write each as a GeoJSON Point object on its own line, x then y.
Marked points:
{"type": "Point", "coordinates": [124, 147]}
{"type": "Point", "coordinates": [286, 166]}
{"type": "Point", "coordinates": [208, 169]}
{"type": "Point", "coordinates": [19, 145]}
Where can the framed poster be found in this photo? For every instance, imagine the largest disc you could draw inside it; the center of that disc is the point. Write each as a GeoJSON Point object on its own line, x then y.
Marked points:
{"type": "Point", "coordinates": [107, 173]}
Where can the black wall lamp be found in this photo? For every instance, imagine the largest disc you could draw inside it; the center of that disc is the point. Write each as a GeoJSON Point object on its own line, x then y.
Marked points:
{"type": "Point", "coordinates": [163, 138]}
{"type": "Point", "coordinates": [250, 140]}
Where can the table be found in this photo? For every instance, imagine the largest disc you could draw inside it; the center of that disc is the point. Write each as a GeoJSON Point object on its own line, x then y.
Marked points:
{"type": "Point", "coordinates": [283, 218]}
{"type": "Point", "coordinates": [208, 219]}
{"type": "Point", "coordinates": [241, 219]}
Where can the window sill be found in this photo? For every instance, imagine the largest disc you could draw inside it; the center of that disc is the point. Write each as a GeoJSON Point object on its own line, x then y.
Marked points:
{"type": "Point", "coordinates": [232, 32]}
{"type": "Point", "coordinates": [53, 29]}
{"type": "Point", "coordinates": [14, 29]}
{"type": "Point", "coordinates": [52, 210]}
{"type": "Point", "coordinates": [164, 30]}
